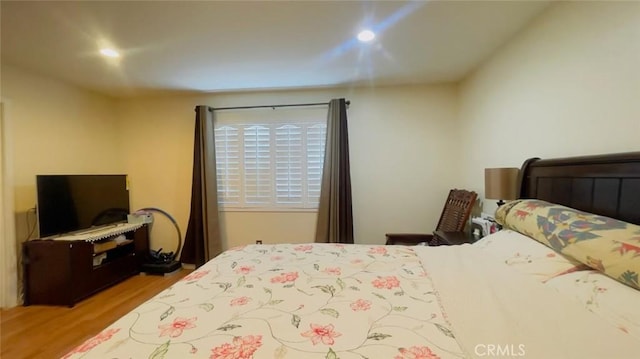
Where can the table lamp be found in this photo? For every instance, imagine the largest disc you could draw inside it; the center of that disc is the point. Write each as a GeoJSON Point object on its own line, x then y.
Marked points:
{"type": "Point", "coordinates": [500, 184]}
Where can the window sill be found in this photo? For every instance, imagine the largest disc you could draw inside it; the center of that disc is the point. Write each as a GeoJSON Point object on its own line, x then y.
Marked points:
{"type": "Point", "coordinates": [270, 210]}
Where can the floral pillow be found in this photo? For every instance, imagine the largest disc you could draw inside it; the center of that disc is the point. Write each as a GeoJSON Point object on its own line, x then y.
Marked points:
{"type": "Point", "coordinates": [528, 256]}
{"type": "Point", "coordinates": [605, 244]}
{"type": "Point", "coordinates": [616, 303]}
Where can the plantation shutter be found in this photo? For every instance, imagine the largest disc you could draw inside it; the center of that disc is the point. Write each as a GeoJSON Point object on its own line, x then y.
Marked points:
{"type": "Point", "coordinates": [316, 139]}
{"type": "Point", "coordinates": [257, 165]}
{"type": "Point", "coordinates": [270, 160]}
{"type": "Point", "coordinates": [228, 164]}
{"type": "Point", "coordinates": [289, 165]}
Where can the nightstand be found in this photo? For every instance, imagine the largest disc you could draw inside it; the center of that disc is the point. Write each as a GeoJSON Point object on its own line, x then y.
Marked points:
{"type": "Point", "coordinates": [408, 239]}
{"type": "Point", "coordinates": [438, 238]}
{"type": "Point", "coordinates": [442, 238]}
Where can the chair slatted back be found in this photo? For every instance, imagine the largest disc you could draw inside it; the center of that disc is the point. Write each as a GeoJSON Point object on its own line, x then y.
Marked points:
{"type": "Point", "coordinates": [456, 210]}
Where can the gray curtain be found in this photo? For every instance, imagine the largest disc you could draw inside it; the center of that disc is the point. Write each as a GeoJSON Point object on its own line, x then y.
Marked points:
{"type": "Point", "coordinates": [203, 241]}
{"type": "Point", "coordinates": [335, 217]}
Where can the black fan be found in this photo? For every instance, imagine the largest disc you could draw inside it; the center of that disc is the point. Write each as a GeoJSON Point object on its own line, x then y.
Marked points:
{"type": "Point", "coordinates": [159, 262]}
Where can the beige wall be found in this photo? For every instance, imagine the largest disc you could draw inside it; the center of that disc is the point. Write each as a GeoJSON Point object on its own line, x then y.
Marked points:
{"type": "Point", "coordinates": [567, 85]}
{"type": "Point", "coordinates": [56, 128]}
{"type": "Point", "coordinates": [391, 129]}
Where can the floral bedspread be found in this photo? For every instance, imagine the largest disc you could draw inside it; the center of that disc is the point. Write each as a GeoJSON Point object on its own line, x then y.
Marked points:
{"type": "Point", "coordinates": [289, 301]}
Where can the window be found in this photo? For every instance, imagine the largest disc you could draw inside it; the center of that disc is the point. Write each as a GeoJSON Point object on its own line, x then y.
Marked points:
{"type": "Point", "coordinates": [270, 165]}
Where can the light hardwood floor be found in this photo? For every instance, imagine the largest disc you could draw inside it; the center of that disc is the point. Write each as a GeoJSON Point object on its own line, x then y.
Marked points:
{"type": "Point", "coordinates": [50, 332]}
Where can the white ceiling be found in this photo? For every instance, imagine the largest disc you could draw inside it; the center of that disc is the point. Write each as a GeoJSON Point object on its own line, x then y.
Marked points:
{"type": "Point", "coordinates": [240, 45]}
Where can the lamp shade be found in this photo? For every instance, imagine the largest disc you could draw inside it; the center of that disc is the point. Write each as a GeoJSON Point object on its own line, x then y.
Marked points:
{"type": "Point", "coordinates": [500, 183]}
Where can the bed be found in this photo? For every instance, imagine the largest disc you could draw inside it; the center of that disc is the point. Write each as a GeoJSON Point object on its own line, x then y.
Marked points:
{"type": "Point", "coordinates": [535, 289]}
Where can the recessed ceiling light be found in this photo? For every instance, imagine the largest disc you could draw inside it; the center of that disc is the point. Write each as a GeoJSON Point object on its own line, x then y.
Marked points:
{"type": "Point", "coordinates": [110, 52]}
{"type": "Point", "coordinates": [366, 35]}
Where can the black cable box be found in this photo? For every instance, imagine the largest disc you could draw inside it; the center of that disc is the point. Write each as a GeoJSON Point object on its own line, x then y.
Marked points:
{"type": "Point", "coordinates": [161, 268]}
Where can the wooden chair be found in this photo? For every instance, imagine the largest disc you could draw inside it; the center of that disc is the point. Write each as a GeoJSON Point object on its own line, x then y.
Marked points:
{"type": "Point", "coordinates": [454, 216]}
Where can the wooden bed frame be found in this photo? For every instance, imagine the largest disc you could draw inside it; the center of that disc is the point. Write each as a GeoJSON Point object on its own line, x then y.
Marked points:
{"type": "Point", "coordinates": [607, 185]}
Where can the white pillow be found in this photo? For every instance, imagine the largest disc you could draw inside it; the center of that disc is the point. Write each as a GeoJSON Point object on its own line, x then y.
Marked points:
{"type": "Point", "coordinates": [527, 255]}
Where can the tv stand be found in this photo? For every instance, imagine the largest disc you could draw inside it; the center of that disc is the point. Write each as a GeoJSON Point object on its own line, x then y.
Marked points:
{"type": "Point", "coordinates": [62, 272]}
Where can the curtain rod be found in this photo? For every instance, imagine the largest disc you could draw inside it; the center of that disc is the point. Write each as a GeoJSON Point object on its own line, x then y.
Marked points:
{"type": "Point", "coordinates": [347, 102]}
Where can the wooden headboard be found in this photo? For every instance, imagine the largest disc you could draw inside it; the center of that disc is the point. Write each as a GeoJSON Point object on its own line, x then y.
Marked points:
{"type": "Point", "coordinates": [607, 185]}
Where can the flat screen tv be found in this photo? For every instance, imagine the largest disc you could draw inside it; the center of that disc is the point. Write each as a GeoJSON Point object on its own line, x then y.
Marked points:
{"type": "Point", "coordinates": [71, 203]}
